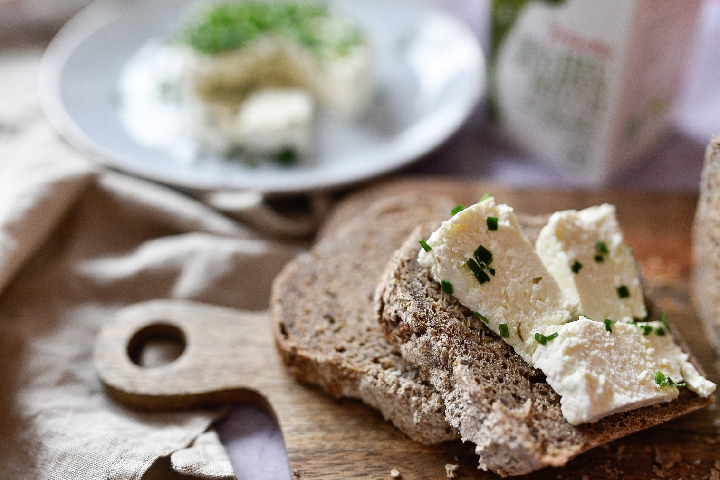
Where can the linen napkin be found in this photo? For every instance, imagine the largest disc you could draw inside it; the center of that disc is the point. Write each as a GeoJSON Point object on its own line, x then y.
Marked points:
{"type": "Point", "coordinates": [77, 243]}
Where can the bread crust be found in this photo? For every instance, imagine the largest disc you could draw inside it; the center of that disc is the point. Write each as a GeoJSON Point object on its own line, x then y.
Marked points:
{"type": "Point", "coordinates": [324, 326]}
{"type": "Point", "coordinates": [492, 396]}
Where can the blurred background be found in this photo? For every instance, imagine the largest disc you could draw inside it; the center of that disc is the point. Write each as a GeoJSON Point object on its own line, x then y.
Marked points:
{"type": "Point", "coordinates": [478, 150]}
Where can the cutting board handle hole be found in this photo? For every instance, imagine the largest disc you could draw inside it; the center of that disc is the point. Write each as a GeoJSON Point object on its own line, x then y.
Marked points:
{"type": "Point", "coordinates": [156, 345]}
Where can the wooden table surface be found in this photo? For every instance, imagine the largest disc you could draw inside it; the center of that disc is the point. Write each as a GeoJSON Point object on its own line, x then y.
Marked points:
{"type": "Point", "coordinates": [326, 438]}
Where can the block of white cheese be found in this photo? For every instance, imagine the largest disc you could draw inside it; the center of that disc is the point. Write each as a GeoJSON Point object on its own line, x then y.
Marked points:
{"type": "Point", "coordinates": [235, 48]}
{"type": "Point", "coordinates": [344, 85]}
{"type": "Point", "coordinates": [268, 121]}
{"type": "Point", "coordinates": [601, 368]}
{"type": "Point", "coordinates": [585, 252]}
{"type": "Point", "coordinates": [598, 367]}
{"type": "Point", "coordinates": [496, 273]}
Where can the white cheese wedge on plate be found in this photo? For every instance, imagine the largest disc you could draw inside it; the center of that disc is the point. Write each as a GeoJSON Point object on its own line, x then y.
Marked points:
{"type": "Point", "coordinates": [268, 121]}
{"type": "Point", "coordinates": [585, 252]}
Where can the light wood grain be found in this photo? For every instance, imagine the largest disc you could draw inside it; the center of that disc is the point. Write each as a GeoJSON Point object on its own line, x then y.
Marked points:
{"type": "Point", "coordinates": [229, 356]}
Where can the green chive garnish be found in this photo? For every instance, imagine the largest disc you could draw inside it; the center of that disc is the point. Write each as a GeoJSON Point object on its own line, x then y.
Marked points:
{"type": "Point", "coordinates": [662, 380]}
{"type": "Point", "coordinates": [608, 325]}
{"type": "Point", "coordinates": [623, 291]}
{"type": "Point", "coordinates": [601, 247]}
{"type": "Point", "coordinates": [483, 256]}
{"type": "Point", "coordinates": [647, 330]}
{"type": "Point", "coordinates": [446, 287]}
{"type": "Point", "coordinates": [492, 223]}
{"type": "Point", "coordinates": [660, 331]}
{"type": "Point", "coordinates": [286, 156]}
{"type": "Point", "coordinates": [542, 339]}
{"type": "Point", "coordinates": [599, 258]}
{"type": "Point", "coordinates": [504, 331]}
{"type": "Point", "coordinates": [576, 266]}
{"type": "Point", "coordinates": [425, 246]}
{"type": "Point", "coordinates": [477, 271]}
{"type": "Point", "coordinates": [663, 319]}
{"type": "Point", "coordinates": [484, 197]}
{"type": "Point", "coordinates": [481, 317]}
{"type": "Point", "coordinates": [458, 208]}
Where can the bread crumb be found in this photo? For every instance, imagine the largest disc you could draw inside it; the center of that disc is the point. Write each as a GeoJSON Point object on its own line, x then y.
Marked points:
{"type": "Point", "coordinates": [451, 470]}
{"type": "Point", "coordinates": [667, 460]}
{"type": "Point", "coordinates": [395, 473]}
{"type": "Point", "coordinates": [714, 474]}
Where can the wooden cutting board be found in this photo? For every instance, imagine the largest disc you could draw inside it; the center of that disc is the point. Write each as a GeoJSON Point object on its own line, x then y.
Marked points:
{"type": "Point", "coordinates": [229, 356]}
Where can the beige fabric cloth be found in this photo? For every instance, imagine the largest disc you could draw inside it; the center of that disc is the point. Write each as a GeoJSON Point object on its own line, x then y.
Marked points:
{"type": "Point", "coordinates": [77, 243]}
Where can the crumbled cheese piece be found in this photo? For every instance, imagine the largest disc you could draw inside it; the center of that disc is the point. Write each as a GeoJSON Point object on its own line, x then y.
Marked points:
{"type": "Point", "coordinates": [266, 122]}
{"type": "Point", "coordinates": [519, 293]}
{"type": "Point", "coordinates": [598, 372]}
{"type": "Point", "coordinates": [272, 119]}
{"type": "Point", "coordinates": [591, 272]}
{"type": "Point", "coordinates": [451, 470]}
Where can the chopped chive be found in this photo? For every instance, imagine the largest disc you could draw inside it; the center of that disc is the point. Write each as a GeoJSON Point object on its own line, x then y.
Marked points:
{"type": "Point", "coordinates": [484, 197]}
{"type": "Point", "coordinates": [608, 325]}
{"type": "Point", "coordinates": [492, 223]}
{"type": "Point", "coordinates": [286, 156]}
{"type": "Point", "coordinates": [601, 247]}
{"type": "Point", "coordinates": [576, 266]}
{"type": "Point", "coordinates": [663, 319]}
{"type": "Point", "coordinates": [424, 245]}
{"type": "Point", "coordinates": [477, 271]}
{"type": "Point", "coordinates": [481, 317]}
{"type": "Point", "coordinates": [492, 271]}
{"type": "Point", "coordinates": [473, 265]}
{"type": "Point", "coordinates": [446, 287]}
{"type": "Point", "coordinates": [483, 256]}
{"type": "Point", "coordinates": [504, 331]}
{"type": "Point", "coordinates": [623, 291]}
{"type": "Point", "coordinates": [482, 277]}
{"type": "Point", "coordinates": [458, 208]}
{"type": "Point", "coordinates": [599, 258]}
{"type": "Point", "coordinates": [660, 331]}
{"type": "Point", "coordinates": [542, 339]}
{"type": "Point", "coordinates": [647, 330]}
{"type": "Point", "coordinates": [662, 380]}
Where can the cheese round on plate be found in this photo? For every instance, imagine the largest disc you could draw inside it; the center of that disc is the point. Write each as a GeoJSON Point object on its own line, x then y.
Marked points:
{"type": "Point", "coordinates": [236, 48]}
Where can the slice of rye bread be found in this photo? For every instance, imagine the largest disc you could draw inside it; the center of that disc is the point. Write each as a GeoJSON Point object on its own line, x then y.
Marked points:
{"type": "Point", "coordinates": [493, 397]}
{"type": "Point", "coordinates": [325, 330]}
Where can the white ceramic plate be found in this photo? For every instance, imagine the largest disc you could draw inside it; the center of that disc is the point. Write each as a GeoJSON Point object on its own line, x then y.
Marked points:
{"type": "Point", "coordinates": [105, 70]}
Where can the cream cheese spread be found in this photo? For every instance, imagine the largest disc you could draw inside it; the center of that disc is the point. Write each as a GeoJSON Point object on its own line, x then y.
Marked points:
{"type": "Point", "coordinates": [599, 366]}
